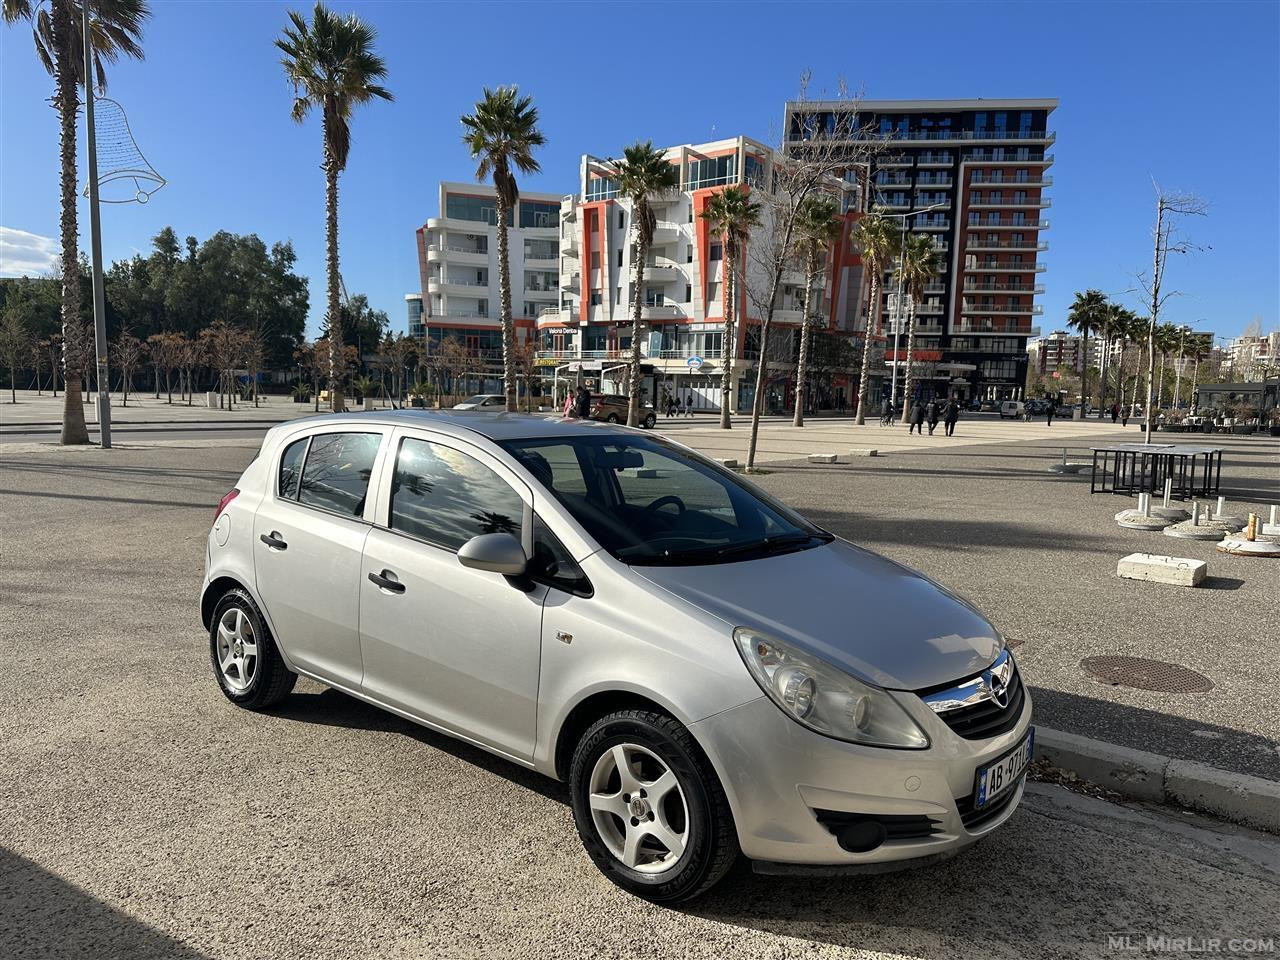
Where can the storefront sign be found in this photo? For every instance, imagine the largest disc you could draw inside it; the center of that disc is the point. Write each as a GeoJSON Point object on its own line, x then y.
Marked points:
{"type": "Point", "coordinates": [694, 363]}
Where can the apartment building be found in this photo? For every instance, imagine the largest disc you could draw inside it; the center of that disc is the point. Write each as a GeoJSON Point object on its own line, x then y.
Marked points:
{"type": "Point", "coordinates": [1059, 350]}
{"type": "Point", "coordinates": [1254, 356]}
{"type": "Point", "coordinates": [684, 295]}
{"type": "Point", "coordinates": [972, 174]}
{"type": "Point", "coordinates": [458, 267]}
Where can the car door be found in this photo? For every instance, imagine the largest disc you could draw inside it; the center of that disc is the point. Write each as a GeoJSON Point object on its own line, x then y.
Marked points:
{"type": "Point", "coordinates": [452, 645]}
{"type": "Point", "coordinates": [308, 540]}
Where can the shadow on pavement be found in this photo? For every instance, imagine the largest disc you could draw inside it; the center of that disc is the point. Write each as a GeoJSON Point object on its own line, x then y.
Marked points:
{"type": "Point", "coordinates": [47, 917]}
{"type": "Point", "coordinates": [333, 708]}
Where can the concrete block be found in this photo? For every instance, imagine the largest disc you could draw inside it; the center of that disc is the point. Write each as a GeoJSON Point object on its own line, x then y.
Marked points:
{"type": "Point", "coordinates": [822, 458]}
{"type": "Point", "coordinates": [863, 452]}
{"type": "Point", "coordinates": [1271, 529]}
{"type": "Point", "coordinates": [644, 473]}
{"type": "Point", "coordinates": [366, 404]}
{"type": "Point", "coordinates": [1179, 571]}
{"type": "Point", "coordinates": [1233, 796]}
{"type": "Point", "coordinates": [1134, 773]}
{"type": "Point", "coordinates": [729, 462]}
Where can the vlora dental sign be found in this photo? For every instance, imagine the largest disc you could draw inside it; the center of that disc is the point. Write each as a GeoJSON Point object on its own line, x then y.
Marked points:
{"type": "Point", "coordinates": [695, 364]}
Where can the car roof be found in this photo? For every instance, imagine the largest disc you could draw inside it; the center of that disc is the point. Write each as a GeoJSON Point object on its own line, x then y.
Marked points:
{"type": "Point", "coordinates": [463, 423]}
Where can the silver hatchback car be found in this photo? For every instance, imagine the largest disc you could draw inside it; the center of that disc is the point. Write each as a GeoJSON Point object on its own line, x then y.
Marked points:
{"type": "Point", "coordinates": [712, 674]}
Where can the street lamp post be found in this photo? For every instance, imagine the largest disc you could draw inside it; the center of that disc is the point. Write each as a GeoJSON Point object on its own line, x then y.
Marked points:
{"type": "Point", "coordinates": [897, 321]}
{"type": "Point", "coordinates": [95, 231]}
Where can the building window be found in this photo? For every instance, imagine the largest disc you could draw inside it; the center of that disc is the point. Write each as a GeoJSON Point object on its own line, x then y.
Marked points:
{"type": "Point", "coordinates": [688, 257]}
{"type": "Point", "coordinates": [622, 219]}
{"type": "Point", "coordinates": [596, 299]}
{"type": "Point", "coordinates": [713, 293]}
{"type": "Point", "coordinates": [480, 209]}
{"type": "Point", "coordinates": [712, 171]}
{"type": "Point", "coordinates": [617, 296]}
{"type": "Point", "coordinates": [536, 213]}
{"type": "Point", "coordinates": [541, 249]}
{"type": "Point", "coordinates": [602, 188]}
{"type": "Point", "coordinates": [715, 251]}
{"type": "Point", "coordinates": [688, 293]}
{"type": "Point", "coordinates": [619, 256]}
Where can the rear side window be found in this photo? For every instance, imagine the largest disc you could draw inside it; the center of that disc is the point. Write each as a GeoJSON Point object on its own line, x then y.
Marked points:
{"type": "Point", "coordinates": [335, 476]}
{"type": "Point", "coordinates": [291, 468]}
{"type": "Point", "coordinates": [446, 497]}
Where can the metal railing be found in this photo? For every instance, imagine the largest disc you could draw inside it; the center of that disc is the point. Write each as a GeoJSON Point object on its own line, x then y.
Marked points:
{"type": "Point", "coordinates": [982, 156]}
{"type": "Point", "coordinates": [974, 244]}
{"type": "Point", "coordinates": [458, 248]}
{"type": "Point", "coordinates": [997, 181]}
{"type": "Point", "coordinates": [1031, 310]}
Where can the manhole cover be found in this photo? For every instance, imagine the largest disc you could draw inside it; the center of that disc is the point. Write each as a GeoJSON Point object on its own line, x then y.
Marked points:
{"type": "Point", "coordinates": [1144, 674]}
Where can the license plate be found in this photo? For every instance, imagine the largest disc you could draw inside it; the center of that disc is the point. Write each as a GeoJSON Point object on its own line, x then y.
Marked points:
{"type": "Point", "coordinates": [999, 777]}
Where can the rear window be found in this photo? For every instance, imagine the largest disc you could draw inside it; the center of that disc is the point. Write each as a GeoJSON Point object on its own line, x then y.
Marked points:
{"type": "Point", "coordinates": [335, 476]}
{"type": "Point", "coordinates": [291, 468]}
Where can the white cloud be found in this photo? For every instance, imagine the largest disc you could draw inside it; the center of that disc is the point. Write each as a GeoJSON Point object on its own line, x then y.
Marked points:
{"type": "Point", "coordinates": [25, 254]}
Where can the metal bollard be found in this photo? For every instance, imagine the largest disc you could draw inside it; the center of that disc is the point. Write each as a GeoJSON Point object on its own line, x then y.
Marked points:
{"type": "Point", "coordinates": [1168, 490]}
{"type": "Point", "coordinates": [1195, 513]}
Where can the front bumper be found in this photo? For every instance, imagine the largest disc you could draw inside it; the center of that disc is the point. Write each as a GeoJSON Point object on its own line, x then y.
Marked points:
{"type": "Point", "coordinates": [781, 777]}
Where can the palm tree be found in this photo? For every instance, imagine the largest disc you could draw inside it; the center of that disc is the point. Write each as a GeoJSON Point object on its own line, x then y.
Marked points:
{"type": "Point", "coordinates": [1166, 342]}
{"type": "Point", "coordinates": [733, 215]}
{"type": "Point", "coordinates": [1122, 329]}
{"type": "Point", "coordinates": [877, 238]}
{"type": "Point", "coordinates": [502, 134]}
{"type": "Point", "coordinates": [921, 263]}
{"type": "Point", "coordinates": [116, 29]}
{"type": "Point", "coordinates": [1111, 328]}
{"type": "Point", "coordinates": [1086, 315]}
{"type": "Point", "coordinates": [817, 228]}
{"type": "Point", "coordinates": [643, 172]}
{"type": "Point", "coordinates": [1140, 333]}
{"type": "Point", "coordinates": [333, 68]}
{"type": "Point", "coordinates": [1199, 350]}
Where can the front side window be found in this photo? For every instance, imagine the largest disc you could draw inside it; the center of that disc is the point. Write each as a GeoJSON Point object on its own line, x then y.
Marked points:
{"type": "Point", "coordinates": [336, 474]}
{"type": "Point", "coordinates": [552, 563]}
{"type": "Point", "coordinates": [445, 497]}
{"type": "Point", "coordinates": [648, 502]}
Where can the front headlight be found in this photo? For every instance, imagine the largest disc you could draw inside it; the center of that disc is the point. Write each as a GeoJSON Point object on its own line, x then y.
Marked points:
{"type": "Point", "coordinates": [825, 699]}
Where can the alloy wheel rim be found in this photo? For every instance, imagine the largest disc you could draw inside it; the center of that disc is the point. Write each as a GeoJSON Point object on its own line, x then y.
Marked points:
{"type": "Point", "coordinates": [639, 808]}
{"type": "Point", "coordinates": [237, 650]}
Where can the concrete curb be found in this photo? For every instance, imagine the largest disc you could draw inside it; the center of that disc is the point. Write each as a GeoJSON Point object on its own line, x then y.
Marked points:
{"type": "Point", "coordinates": [1237, 797]}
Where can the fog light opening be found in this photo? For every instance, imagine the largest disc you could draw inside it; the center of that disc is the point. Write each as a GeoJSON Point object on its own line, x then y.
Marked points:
{"type": "Point", "coordinates": [861, 837]}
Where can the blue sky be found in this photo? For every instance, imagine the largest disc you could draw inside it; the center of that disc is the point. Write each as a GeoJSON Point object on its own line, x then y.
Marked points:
{"type": "Point", "coordinates": [1188, 93]}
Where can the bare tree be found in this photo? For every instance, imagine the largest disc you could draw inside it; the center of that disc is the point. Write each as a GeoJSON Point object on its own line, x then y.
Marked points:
{"type": "Point", "coordinates": [37, 362]}
{"type": "Point", "coordinates": [810, 164]}
{"type": "Point", "coordinates": [129, 351]}
{"type": "Point", "coordinates": [14, 344]}
{"type": "Point", "coordinates": [224, 348]}
{"type": "Point", "coordinates": [1170, 209]}
{"type": "Point", "coordinates": [398, 352]}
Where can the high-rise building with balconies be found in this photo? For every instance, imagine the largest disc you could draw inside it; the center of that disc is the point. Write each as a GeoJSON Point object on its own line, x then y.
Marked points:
{"type": "Point", "coordinates": [684, 294]}
{"type": "Point", "coordinates": [980, 167]}
{"type": "Point", "coordinates": [458, 266]}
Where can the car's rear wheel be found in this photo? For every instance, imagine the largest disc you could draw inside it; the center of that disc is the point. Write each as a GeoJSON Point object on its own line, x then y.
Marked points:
{"type": "Point", "coordinates": [650, 421]}
{"type": "Point", "coordinates": [649, 807]}
{"type": "Point", "coordinates": [245, 661]}
{"type": "Point", "coordinates": [613, 418]}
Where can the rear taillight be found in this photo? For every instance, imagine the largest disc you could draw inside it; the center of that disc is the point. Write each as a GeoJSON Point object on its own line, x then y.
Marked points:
{"type": "Point", "coordinates": [222, 504]}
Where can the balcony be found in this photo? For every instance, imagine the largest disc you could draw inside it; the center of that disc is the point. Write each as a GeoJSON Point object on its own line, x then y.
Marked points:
{"type": "Point", "coordinates": [537, 294]}
{"type": "Point", "coordinates": [665, 232]}
{"type": "Point", "coordinates": [1030, 310]}
{"type": "Point", "coordinates": [984, 244]}
{"type": "Point", "coordinates": [797, 278]}
{"type": "Point", "coordinates": [902, 203]}
{"type": "Point", "coordinates": [1028, 203]}
{"type": "Point", "coordinates": [481, 319]}
{"type": "Point", "coordinates": [933, 180]}
{"type": "Point", "coordinates": [1006, 327]}
{"type": "Point", "coordinates": [942, 224]}
{"type": "Point", "coordinates": [569, 243]}
{"type": "Point", "coordinates": [1008, 225]}
{"type": "Point", "coordinates": [998, 179]}
{"type": "Point", "coordinates": [449, 285]}
{"type": "Point", "coordinates": [978, 136]}
{"type": "Point", "coordinates": [460, 253]}
{"type": "Point", "coordinates": [929, 309]}
{"type": "Point", "coordinates": [983, 156]}
{"type": "Point", "coordinates": [658, 311]}
{"type": "Point", "coordinates": [568, 356]}
{"type": "Point", "coordinates": [664, 271]}
{"type": "Point", "coordinates": [894, 161]}
{"type": "Point", "coordinates": [542, 263]}
{"type": "Point", "coordinates": [1005, 267]}
{"type": "Point", "coordinates": [941, 203]}
{"type": "Point", "coordinates": [895, 181]}
{"type": "Point", "coordinates": [554, 313]}
{"type": "Point", "coordinates": [971, 286]}
{"type": "Point", "coordinates": [935, 160]}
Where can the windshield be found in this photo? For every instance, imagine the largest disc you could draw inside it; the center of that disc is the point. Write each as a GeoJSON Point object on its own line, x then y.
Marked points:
{"type": "Point", "coordinates": [648, 502]}
{"type": "Point", "coordinates": [479, 398]}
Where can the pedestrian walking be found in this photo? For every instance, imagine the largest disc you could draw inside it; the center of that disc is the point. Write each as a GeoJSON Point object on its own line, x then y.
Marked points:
{"type": "Point", "coordinates": [568, 404]}
{"type": "Point", "coordinates": [931, 413]}
{"type": "Point", "coordinates": [886, 413]}
{"type": "Point", "coordinates": [1049, 411]}
{"type": "Point", "coordinates": [688, 406]}
{"type": "Point", "coordinates": [915, 418]}
{"type": "Point", "coordinates": [1115, 412]}
{"type": "Point", "coordinates": [950, 415]}
{"type": "Point", "coordinates": [582, 403]}
{"type": "Point", "coordinates": [1124, 416]}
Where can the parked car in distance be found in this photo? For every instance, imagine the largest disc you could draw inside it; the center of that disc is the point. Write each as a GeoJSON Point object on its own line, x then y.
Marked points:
{"type": "Point", "coordinates": [712, 674]}
{"type": "Point", "coordinates": [987, 406]}
{"type": "Point", "coordinates": [1012, 409]}
{"type": "Point", "coordinates": [612, 408]}
{"type": "Point", "coordinates": [483, 401]}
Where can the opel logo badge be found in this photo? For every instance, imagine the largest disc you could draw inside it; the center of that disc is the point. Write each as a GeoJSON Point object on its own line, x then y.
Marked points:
{"type": "Point", "coordinates": [998, 684]}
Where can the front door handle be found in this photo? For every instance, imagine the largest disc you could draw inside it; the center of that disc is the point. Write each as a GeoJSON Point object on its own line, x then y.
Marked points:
{"type": "Point", "coordinates": [386, 580]}
{"type": "Point", "coordinates": [274, 540]}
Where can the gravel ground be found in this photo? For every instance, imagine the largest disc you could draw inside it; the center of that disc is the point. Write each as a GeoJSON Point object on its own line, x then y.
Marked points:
{"type": "Point", "coordinates": [144, 816]}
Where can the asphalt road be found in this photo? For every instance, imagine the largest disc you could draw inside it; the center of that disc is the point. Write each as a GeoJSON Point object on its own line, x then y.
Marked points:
{"type": "Point", "coordinates": [143, 816]}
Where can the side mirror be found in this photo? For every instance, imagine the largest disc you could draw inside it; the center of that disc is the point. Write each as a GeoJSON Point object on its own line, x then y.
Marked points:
{"type": "Point", "coordinates": [494, 552]}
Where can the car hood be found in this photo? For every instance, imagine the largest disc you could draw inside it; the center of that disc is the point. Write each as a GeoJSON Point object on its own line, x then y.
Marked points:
{"type": "Point", "coordinates": [875, 618]}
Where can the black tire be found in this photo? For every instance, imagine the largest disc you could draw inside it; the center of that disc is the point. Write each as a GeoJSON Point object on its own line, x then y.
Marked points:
{"type": "Point", "coordinates": [612, 418]}
{"type": "Point", "coordinates": [272, 681]}
{"type": "Point", "coordinates": [650, 421]}
{"type": "Point", "coordinates": [712, 846]}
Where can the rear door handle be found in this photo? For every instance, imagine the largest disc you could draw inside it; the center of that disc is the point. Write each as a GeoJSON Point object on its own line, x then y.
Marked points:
{"type": "Point", "coordinates": [274, 540]}
{"type": "Point", "coordinates": [386, 580]}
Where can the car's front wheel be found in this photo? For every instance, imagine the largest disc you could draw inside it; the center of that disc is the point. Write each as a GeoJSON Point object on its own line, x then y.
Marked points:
{"type": "Point", "coordinates": [649, 807]}
{"type": "Point", "coordinates": [249, 669]}
{"type": "Point", "coordinates": [650, 421]}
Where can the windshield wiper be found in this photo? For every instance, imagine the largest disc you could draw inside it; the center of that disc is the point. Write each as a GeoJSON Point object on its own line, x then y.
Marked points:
{"type": "Point", "coordinates": [767, 544]}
